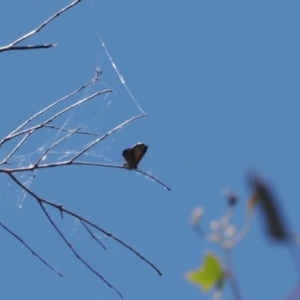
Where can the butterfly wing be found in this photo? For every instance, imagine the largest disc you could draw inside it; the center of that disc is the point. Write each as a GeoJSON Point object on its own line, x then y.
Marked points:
{"type": "Point", "coordinates": [139, 151]}
{"type": "Point", "coordinates": [134, 155]}
{"type": "Point", "coordinates": [129, 158]}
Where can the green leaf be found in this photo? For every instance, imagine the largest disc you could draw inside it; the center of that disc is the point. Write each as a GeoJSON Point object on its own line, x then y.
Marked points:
{"type": "Point", "coordinates": [209, 275]}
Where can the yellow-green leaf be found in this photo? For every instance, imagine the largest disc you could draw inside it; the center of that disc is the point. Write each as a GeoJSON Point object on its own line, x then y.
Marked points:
{"type": "Point", "coordinates": [209, 275]}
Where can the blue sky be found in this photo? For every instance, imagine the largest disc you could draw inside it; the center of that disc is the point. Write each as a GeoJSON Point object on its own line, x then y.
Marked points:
{"type": "Point", "coordinates": [220, 84]}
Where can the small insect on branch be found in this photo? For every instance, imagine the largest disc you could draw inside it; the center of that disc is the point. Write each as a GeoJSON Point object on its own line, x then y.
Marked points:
{"type": "Point", "coordinates": [133, 156]}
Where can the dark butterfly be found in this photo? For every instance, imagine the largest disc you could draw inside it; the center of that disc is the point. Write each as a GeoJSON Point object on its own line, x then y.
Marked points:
{"type": "Point", "coordinates": [134, 155]}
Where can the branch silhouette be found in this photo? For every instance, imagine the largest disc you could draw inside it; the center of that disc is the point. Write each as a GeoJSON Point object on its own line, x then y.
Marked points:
{"type": "Point", "coordinates": [12, 46]}
{"type": "Point", "coordinates": [25, 131]}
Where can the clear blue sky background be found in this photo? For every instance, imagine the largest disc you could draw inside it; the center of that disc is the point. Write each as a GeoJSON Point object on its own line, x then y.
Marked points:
{"type": "Point", "coordinates": [220, 84]}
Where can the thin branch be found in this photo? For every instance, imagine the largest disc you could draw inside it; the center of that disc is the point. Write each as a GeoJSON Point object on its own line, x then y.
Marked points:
{"type": "Point", "coordinates": [93, 235]}
{"type": "Point", "coordinates": [233, 283]}
{"type": "Point", "coordinates": [71, 161]}
{"type": "Point", "coordinates": [16, 148]}
{"type": "Point", "coordinates": [152, 177]}
{"type": "Point", "coordinates": [30, 47]}
{"type": "Point", "coordinates": [27, 132]}
{"type": "Point", "coordinates": [41, 125]}
{"type": "Point", "coordinates": [27, 35]}
{"type": "Point", "coordinates": [80, 153]}
{"type": "Point", "coordinates": [76, 253]}
{"type": "Point", "coordinates": [69, 130]}
{"type": "Point", "coordinates": [62, 209]}
{"type": "Point", "coordinates": [106, 135]}
{"type": "Point", "coordinates": [98, 73]}
{"type": "Point", "coordinates": [30, 249]}
{"type": "Point", "coordinates": [81, 163]}
{"type": "Point", "coordinates": [117, 167]}
{"type": "Point", "coordinates": [91, 164]}
{"type": "Point", "coordinates": [32, 167]}
{"type": "Point", "coordinates": [55, 144]}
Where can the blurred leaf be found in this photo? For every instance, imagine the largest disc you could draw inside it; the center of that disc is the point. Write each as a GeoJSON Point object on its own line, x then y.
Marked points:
{"type": "Point", "coordinates": [252, 202]}
{"type": "Point", "coordinates": [209, 275]}
{"type": "Point", "coordinates": [272, 214]}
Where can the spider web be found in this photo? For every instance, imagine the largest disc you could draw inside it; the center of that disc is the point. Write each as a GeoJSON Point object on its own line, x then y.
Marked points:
{"type": "Point", "coordinates": [91, 119]}
{"type": "Point", "coordinates": [97, 116]}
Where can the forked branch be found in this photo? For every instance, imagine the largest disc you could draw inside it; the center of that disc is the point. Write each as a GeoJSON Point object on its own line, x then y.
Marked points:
{"type": "Point", "coordinates": [75, 252]}
{"type": "Point", "coordinates": [12, 46]}
{"type": "Point", "coordinates": [82, 219]}
{"type": "Point", "coordinates": [9, 136]}
{"type": "Point", "coordinates": [23, 132]}
{"type": "Point", "coordinates": [72, 161]}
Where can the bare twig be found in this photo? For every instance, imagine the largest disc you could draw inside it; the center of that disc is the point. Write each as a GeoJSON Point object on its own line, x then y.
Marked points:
{"type": "Point", "coordinates": [111, 166]}
{"type": "Point", "coordinates": [71, 161]}
{"type": "Point", "coordinates": [10, 136]}
{"type": "Point", "coordinates": [152, 177]}
{"type": "Point", "coordinates": [69, 130]}
{"type": "Point", "coordinates": [15, 149]}
{"type": "Point", "coordinates": [61, 208]}
{"type": "Point", "coordinates": [30, 249]}
{"type": "Point", "coordinates": [41, 125]}
{"type": "Point", "coordinates": [233, 283]}
{"type": "Point", "coordinates": [27, 132]}
{"type": "Point", "coordinates": [29, 47]}
{"type": "Point", "coordinates": [80, 153]}
{"type": "Point", "coordinates": [106, 135]}
{"type": "Point", "coordinates": [55, 144]}
{"type": "Point", "coordinates": [92, 235]}
{"type": "Point", "coordinates": [75, 252]}
{"type": "Point", "coordinates": [31, 33]}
